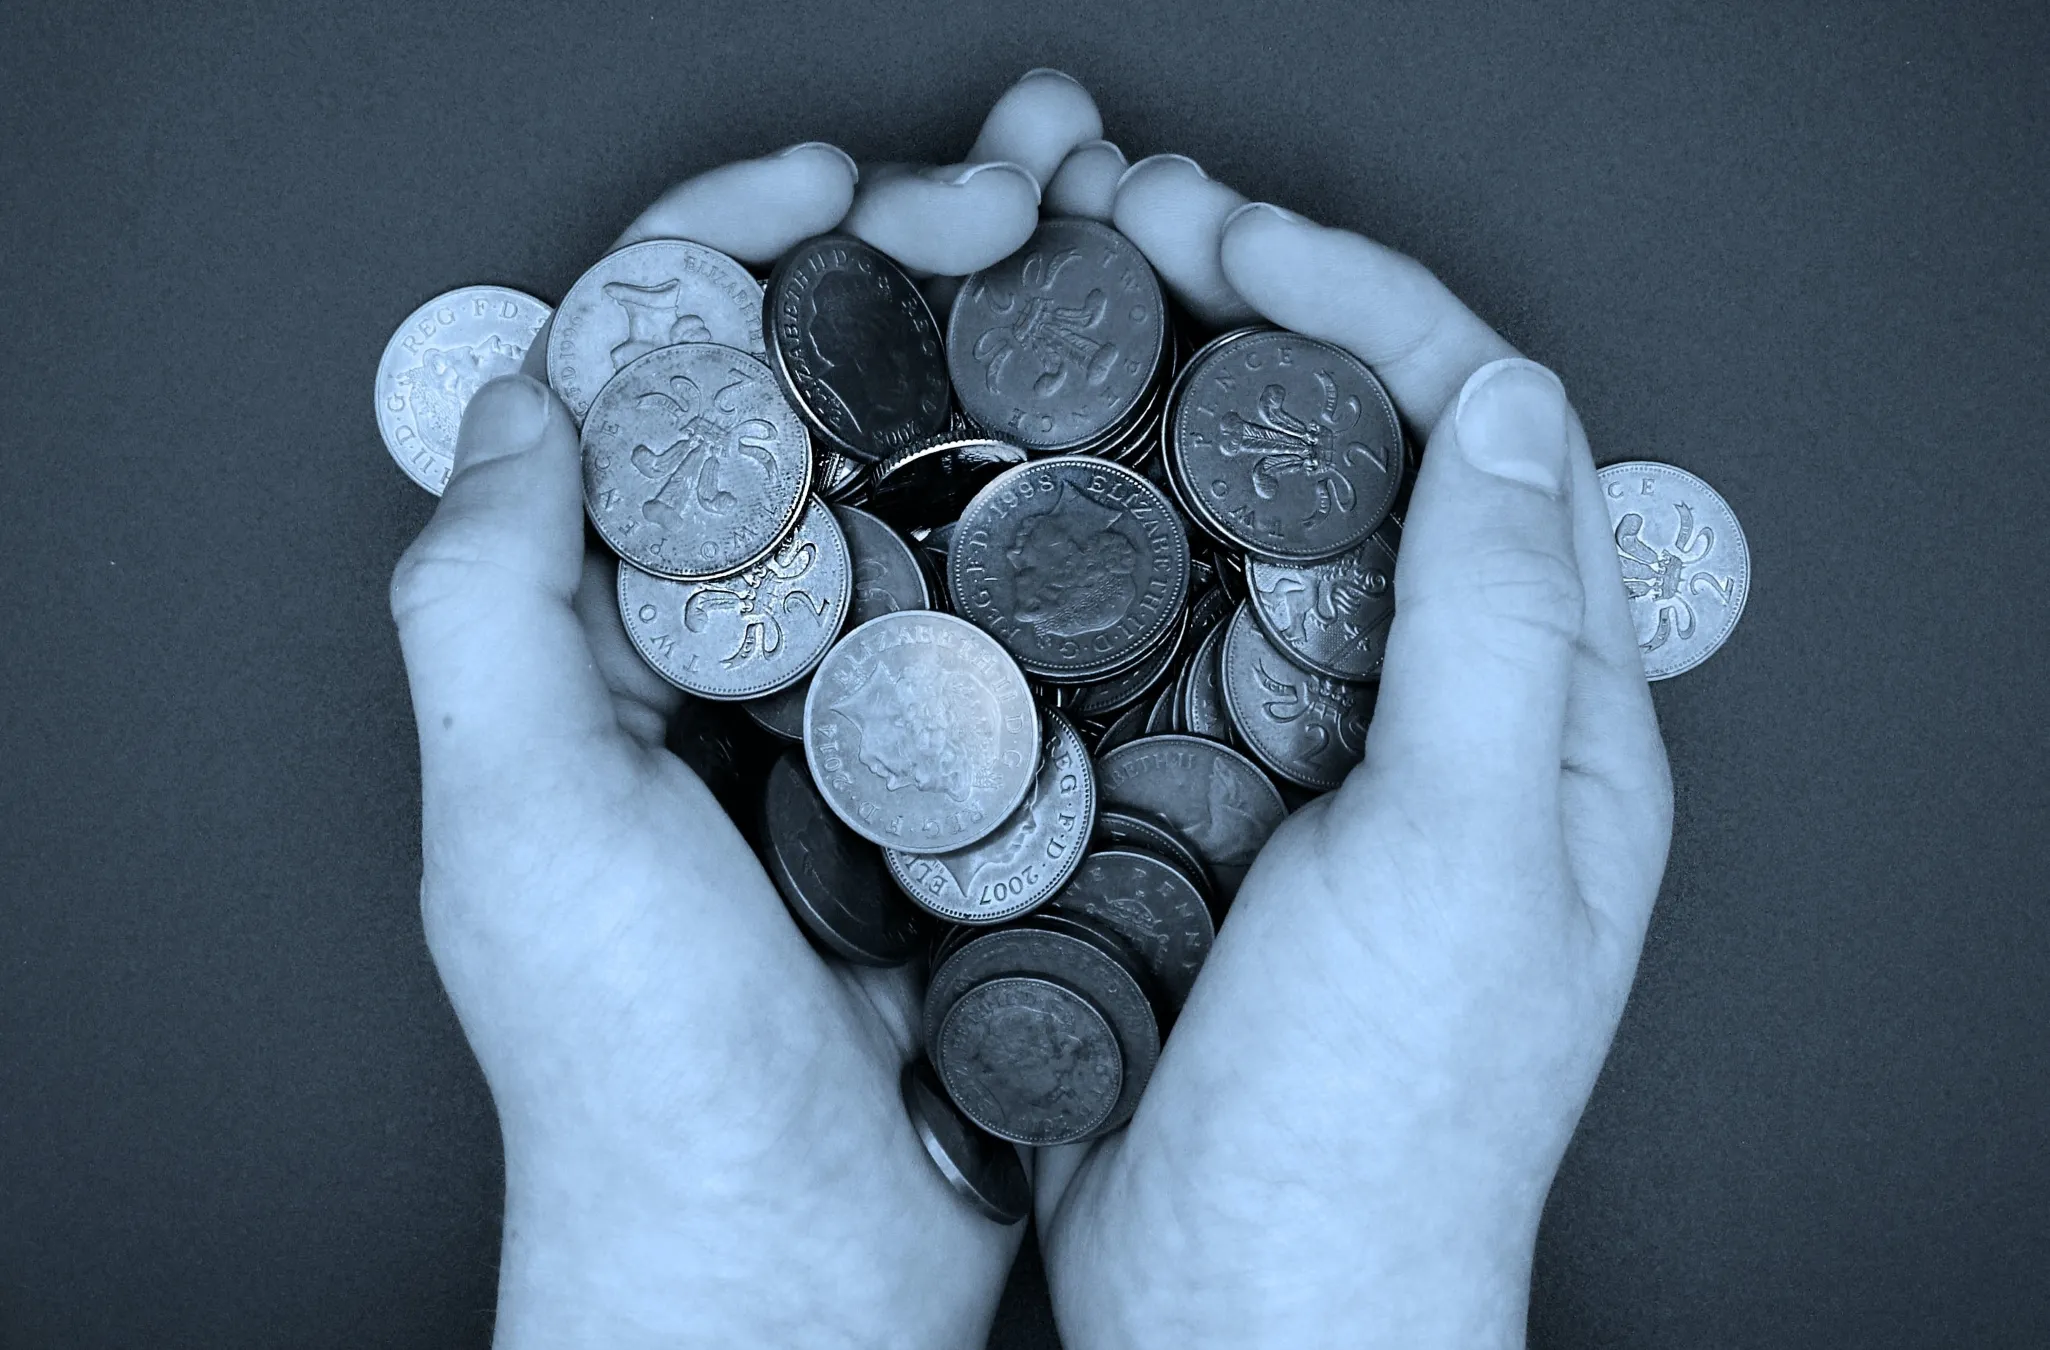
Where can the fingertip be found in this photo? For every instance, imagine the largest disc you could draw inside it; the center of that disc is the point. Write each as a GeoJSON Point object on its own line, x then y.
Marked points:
{"type": "Point", "coordinates": [1086, 184]}
{"type": "Point", "coordinates": [1037, 121]}
{"type": "Point", "coordinates": [1175, 212]}
{"type": "Point", "coordinates": [756, 209]}
{"type": "Point", "coordinates": [506, 416]}
{"type": "Point", "coordinates": [951, 220]}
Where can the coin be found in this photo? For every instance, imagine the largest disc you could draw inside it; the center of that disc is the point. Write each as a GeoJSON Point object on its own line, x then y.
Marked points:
{"type": "Point", "coordinates": [887, 578]}
{"type": "Point", "coordinates": [921, 732]}
{"type": "Point", "coordinates": [1127, 725]}
{"type": "Point", "coordinates": [1117, 828]}
{"type": "Point", "coordinates": [1218, 799]}
{"type": "Point", "coordinates": [1199, 707]}
{"type": "Point", "coordinates": [929, 483]}
{"type": "Point", "coordinates": [1058, 343]}
{"type": "Point", "coordinates": [1332, 617]}
{"type": "Point", "coordinates": [1153, 906]}
{"type": "Point", "coordinates": [1129, 687]}
{"type": "Point", "coordinates": [694, 465]}
{"type": "Point", "coordinates": [746, 635]}
{"type": "Point", "coordinates": [855, 347]}
{"type": "Point", "coordinates": [1686, 564]}
{"type": "Point", "coordinates": [438, 358]}
{"type": "Point", "coordinates": [642, 298]}
{"type": "Point", "coordinates": [1076, 565]}
{"type": "Point", "coordinates": [1030, 1060]}
{"type": "Point", "coordinates": [1307, 728]}
{"type": "Point", "coordinates": [1028, 858]}
{"type": "Point", "coordinates": [1286, 446]}
{"type": "Point", "coordinates": [832, 881]}
{"type": "Point", "coordinates": [1088, 963]}
{"type": "Point", "coordinates": [984, 1170]}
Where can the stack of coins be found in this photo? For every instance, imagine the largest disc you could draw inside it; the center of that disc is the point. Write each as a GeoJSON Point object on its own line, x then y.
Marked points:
{"type": "Point", "coordinates": [1056, 618]}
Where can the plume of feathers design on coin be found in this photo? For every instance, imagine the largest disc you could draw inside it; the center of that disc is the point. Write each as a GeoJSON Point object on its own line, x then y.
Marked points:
{"type": "Point", "coordinates": [757, 603]}
{"type": "Point", "coordinates": [1311, 698]}
{"type": "Point", "coordinates": [1661, 575]}
{"type": "Point", "coordinates": [1054, 335]}
{"type": "Point", "coordinates": [690, 467]}
{"type": "Point", "coordinates": [1283, 444]}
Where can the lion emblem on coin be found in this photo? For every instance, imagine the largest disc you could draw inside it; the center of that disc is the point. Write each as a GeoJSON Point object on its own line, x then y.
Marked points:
{"type": "Point", "coordinates": [1075, 572]}
{"type": "Point", "coordinates": [927, 725]}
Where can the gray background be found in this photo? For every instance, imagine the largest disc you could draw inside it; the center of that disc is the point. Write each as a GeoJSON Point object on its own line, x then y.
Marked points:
{"type": "Point", "coordinates": [1799, 249]}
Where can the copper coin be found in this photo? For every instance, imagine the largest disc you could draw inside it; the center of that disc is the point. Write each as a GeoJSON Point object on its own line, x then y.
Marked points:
{"type": "Point", "coordinates": [929, 483]}
{"type": "Point", "coordinates": [1076, 565]}
{"type": "Point", "coordinates": [1120, 828]}
{"type": "Point", "coordinates": [921, 732]}
{"type": "Point", "coordinates": [1218, 799]}
{"type": "Point", "coordinates": [1024, 861]}
{"type": "Point", "coordinates": [832, 881]}
{"type": "Point", "coordinates": [1153, 906]}
{"type": "Point", "coordinates": [1030, 1060]}
{"type": "Point", "coordinates": [642, 298]}
{"type": "Point", "coordinates": [984, 1170]}
{"type": "Point", "coordinates": [1333, 616]}
{"type": "Point", "coordinates": [1199, 709]}
{"type": "Point", "coordinates": [694, 464]}
{"type": "Point", "coordinates": [750, 634]}
{"type": "Point", "coordinates": [1305, 727]}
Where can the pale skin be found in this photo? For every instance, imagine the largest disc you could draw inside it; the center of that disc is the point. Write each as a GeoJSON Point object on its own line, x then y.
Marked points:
{"type": "Point", "coordinates": [1351, 1133]}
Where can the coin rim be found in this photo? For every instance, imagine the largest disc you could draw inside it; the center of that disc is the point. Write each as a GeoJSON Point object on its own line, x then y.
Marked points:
{"type": "Point", "coordinates": [378, 380]}
{"type": "Point", "coordinates": [1088, 1004]}
{"type": "Point", "coordinates": [1744, 596]}
{"type": "Point", "coordinates": [914, 1092]}
{"type": "Point", "coordinates": [803, 910]}
{"type": "Point", "coordinates": [1229, 692]}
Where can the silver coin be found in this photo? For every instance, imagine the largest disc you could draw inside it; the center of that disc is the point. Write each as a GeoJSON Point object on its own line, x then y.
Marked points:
{"type": "Point", "coordinates": [1686, 564]}
{"type": "Point", "coordinates": [746, 635]}
{"type": "Point", "coordinates": [1030, 1060]}
{"type": "Point", "coordinates": [1156, 908]}
{"type": "Point", "coordinates": [694, 464]}
{"type": "Point", "coordinates": [1219, 800]}
{"type": "Point", "coordinates": [887, 577]}
{"type": "Point", "coordinates": [644, 297]}
{"type": "Point", "coordinates": [1305, 727]}
{"type": "Point", "coordinates": [1031, 856]}
{"type": "Point", "coordinates": [1078, 566]}
{"type": "Point", "coordinates": [855, 347]}
{"type": "Point", "coordinates": [921, 732]}
{"type": "Point", "coordinates": [1059, 343]}
{"type": "Point", "coordinates": [438, 358]}
{"type": "Point", "coordinates": [1332, 617]}
{"type": "Point", "coordinates": [1286, 446]}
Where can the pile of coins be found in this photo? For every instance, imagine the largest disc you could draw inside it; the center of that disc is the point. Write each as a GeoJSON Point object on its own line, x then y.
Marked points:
{"type": "Point", "coordinates": [1055, 617]}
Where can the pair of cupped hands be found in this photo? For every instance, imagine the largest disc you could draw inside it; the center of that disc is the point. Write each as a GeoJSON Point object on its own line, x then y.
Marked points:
{"type": "Point", "coordinates": [1350, 1135]}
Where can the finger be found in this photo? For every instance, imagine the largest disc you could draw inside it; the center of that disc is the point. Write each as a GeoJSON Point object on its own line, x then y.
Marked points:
{"type": "Point", "coordinates": [1385, 308]}
{"type": "Point", "coordinates": [642, 700]}
{"type": "Point", "coordinates": [1036, 122]}
{"type": "Point", "coordinates": [754, 210]}
{"type": "Point", "coordinates": [1175, 213]}
{"type": "Point", "coordinates": [498, 662]}
{"type": "Point", "coordinates": [1488, 603]}
{"type": "Point", "coordinates": [757, 209]}
{"type": "Point", "coordinates": [1086, 184]}
{"type": "Point", "coordinates": [953, 220]}
{"type": "Point", "coordinates": [1614, 757]}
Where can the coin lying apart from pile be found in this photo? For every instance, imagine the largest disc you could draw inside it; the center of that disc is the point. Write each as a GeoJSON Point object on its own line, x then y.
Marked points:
{"type": "Point", "coordinates": [1055, 612]}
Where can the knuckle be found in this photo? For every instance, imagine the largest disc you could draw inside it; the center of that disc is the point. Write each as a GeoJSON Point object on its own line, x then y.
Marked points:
{"type": "Point", "coordinates": [1519, 590]}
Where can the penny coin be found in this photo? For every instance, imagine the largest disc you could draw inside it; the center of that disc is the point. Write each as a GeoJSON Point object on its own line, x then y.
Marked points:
{"type": "Point", "coordinates": [1200, 709]}
{"type": "Point", "coordinates": [1286, 446]}
{"type": "Point", "coordinates": [1686, 564]}
{"type": "Point", "coordinates": [832, 881]}
{"type": "Point", "coordinates": [694, 465]}
{"type": "Point", "coordinates": [1116, 828]}
{"type": "Point", "coordinates": [855, 347]}
{"type": "Point", "coordinates": [984, 1170]}
{"type": "Point", "coordinates": [1129, 687]}
{"type": "Point", "coordinates": [750, 634]}
{"type": "Point", "coordinates": [1091, 965]}
{"type": "Point", "coordinates": [1127, 725]}
{"type": "Point", "coordinates": [645, 297]}
{"type": "Point", "coordinates": [921, 732]}
{"type": "Point", "coordinates": [1030, 1060]}
{"type": "Point", "coordinates": [1160, 717]}
{"type": "Point", "coordinates": [1028, 858]}
{"type": "Point", "coordinates": [1058, 343]}
{"type": "Point", "coordinates": [1307, 728]}
{"type": "Point", "coordinates": [1218, 799]}
{"type": "Point", "coordinates": [1332, 617]}
{"type": "Point", "coordinates": [928, 483]}
{"type": "Point", "coordinates": [1153, 906]}
{"type": "Point", "coordinates": [1078, 566]}
{"type": "Point", "coordinates": [887, 578]}
{"type": "Point", "coordinates": [438, 358]}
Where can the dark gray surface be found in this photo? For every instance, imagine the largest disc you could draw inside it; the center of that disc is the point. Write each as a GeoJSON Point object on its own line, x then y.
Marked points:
{"type": "Point", "coordinates": [1801, 250]}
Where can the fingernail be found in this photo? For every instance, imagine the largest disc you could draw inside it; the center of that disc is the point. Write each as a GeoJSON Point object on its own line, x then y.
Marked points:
{"type": "Point", "coordinates": [1511, 422]}
{"type": "Point", "coordinates": [505, 417]}
{"type": "Point", "coordinates": [1278, 212]}
{"type": "Point", "coordinates": [1160, 159]}
{"type": "Point", "coordinates": [852, 168]}
{"type": "Point", "coordinates": [1049, 70]}
{"type": "Point", "coordinates": [1100, 145]}
{"type": "Point", "coordinates": [973, 169]}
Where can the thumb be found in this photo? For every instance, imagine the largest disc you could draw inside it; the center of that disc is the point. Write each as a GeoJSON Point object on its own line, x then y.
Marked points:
{"type": "Point", "coordinates": [1488, 597]}
{"type": "Point", "coordinates": [498, 663]}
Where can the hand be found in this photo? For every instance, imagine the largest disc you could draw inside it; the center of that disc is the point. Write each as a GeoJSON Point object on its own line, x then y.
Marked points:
{"type": "Point", "coordinates": [704, 1141]}
{"type": "Point", "coordinates": [1350, 1135]}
